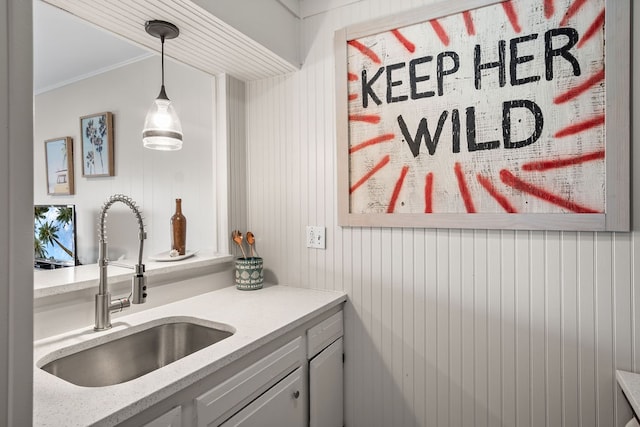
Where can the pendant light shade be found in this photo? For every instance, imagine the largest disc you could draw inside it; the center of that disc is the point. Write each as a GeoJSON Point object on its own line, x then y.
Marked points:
{"type": "Point", "coordinates": [162, 128]}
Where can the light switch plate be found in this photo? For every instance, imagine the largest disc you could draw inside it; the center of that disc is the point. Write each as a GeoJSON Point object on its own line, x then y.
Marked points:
{"type": "Point", "coordinates": [316, 237]}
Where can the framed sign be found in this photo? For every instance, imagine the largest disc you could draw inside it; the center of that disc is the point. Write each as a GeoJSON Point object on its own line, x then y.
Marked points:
{"type": "Point", "coordinates": [96, 131]}
{"type": "Point", "coordinates": [59, 165]}
{"type": "Point", "coordinates": [486, 114]}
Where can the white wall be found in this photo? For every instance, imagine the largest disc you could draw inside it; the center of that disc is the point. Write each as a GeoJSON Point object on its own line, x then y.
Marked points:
{"type": "Point", "coordinates": [16, 290]}
{"type": "Point", "coordinates": [57, 314]}
{"type": "Point", "coordinates": [154, 179]}
{"type": "Point", "coordinates": [443, 327]}
{"type": "Point", "coordinates": [62, 313]}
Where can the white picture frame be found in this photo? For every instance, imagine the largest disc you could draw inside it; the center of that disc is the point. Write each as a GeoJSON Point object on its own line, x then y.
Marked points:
{"type": "Point", "coordinates": [612, 215]}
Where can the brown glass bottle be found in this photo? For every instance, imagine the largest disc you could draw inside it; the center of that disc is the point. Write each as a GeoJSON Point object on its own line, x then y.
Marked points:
{"type": "Point", "coordinates": [179, 229]}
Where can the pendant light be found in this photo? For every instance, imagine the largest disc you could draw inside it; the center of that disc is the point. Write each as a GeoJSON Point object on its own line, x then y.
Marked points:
{"type": "Point", "coordinates": [162, 128]}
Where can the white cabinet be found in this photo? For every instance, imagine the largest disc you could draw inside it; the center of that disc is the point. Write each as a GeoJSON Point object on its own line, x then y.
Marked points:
{"type": "Point", "coordinates": [172, 418]}
{"type": "Point", "coordinates": [281, 405]}
{"type": "Point", "coordinates": [224, 400]}
{"type": "Point", "coordinates": [295, 381]}
{"type": "Point", "coordinates": [324, 349]}
{"type": "Point", "coordinates": [326, 387]}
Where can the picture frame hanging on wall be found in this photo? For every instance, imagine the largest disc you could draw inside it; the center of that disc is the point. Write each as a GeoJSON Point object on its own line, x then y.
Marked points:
{"type": "Point", "coordinates": [59, 166]}
{"type": "Point", "coordinates": [486, 114]}
{"type": "Point", "coordinates": [96, 131]}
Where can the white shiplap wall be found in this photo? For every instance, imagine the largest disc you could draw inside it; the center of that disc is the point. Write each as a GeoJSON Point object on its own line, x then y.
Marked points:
{"type": "Point", "coordinates": [443, 327]}
{"type": "Point", "coordinates": [154, 179]}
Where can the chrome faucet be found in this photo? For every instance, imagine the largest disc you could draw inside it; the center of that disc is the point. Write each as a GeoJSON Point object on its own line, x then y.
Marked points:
{"type": "Point", "coordinates": [104, 305]}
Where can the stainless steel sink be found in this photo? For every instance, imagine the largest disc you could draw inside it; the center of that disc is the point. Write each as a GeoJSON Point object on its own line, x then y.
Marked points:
{"type": "Point", "coordinates": [134, 355]}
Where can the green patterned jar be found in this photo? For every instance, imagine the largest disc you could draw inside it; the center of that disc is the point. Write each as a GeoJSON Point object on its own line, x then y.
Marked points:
{"type": "Point", "coordinates": [249, 275]}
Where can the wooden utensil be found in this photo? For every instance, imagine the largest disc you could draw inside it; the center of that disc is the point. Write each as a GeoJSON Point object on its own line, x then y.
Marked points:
{"type": "Point", "coordinates": [237, 237]}
{"type": "Point", "coordinates": [251, 240]}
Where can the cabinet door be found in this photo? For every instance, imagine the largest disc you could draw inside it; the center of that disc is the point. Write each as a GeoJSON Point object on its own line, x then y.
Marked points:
{"type": "Point", "coordinates": [226, 399]}
{"type": "Point", "coordinates": [281, 405]}
{"type": "Point", "coordinates": [173, 418]}
{"type": "Point", "coordinates": [326, 387]}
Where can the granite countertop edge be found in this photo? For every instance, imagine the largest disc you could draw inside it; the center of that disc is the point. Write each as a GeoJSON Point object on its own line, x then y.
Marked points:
{"type": "Point", "coordinates": [630, 384]}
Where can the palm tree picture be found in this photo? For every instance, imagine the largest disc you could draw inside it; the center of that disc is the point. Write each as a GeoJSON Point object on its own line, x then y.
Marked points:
{"type": "Point", "coordinates": [53, 233]}
{"type": "Point", "coordinates": [38, 248]}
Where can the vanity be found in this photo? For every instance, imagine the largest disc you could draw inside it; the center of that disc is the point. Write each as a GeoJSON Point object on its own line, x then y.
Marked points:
{"type": "Point", "coordinates": [279, 362]}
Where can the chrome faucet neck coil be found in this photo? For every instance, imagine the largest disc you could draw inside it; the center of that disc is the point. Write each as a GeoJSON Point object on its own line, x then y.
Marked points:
{"type": "Point", "coordinates": [103, 303]}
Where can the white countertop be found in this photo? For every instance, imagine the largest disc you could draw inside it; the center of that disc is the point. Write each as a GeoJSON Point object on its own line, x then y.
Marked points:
{"type": "Point", "coordinates": [257, 316]}
{"type": "Point", "coordinates": [69, 279]}
{"type": "Point", "coordinates": [630, 384]}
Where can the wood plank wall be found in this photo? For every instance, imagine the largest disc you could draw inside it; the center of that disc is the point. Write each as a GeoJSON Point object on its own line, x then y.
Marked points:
{"type": "Point", "coordinates": [443, 327]}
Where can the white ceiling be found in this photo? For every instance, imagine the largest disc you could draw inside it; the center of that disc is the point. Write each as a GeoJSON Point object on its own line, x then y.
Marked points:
{"type": "Point", "coordinates": [67, 48]}
{"type": "Point", "coordinates": [206, 42]}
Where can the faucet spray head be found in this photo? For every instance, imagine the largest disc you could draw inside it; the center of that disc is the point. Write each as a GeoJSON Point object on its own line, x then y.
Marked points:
{"type": "Point", "coordinates": [139, 289]}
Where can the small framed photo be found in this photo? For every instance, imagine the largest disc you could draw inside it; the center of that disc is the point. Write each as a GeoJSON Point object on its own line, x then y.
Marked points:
{"type": "Point", "coordinates": [96, 131]}
{"type": "Point", "coordinates": [59, 164]}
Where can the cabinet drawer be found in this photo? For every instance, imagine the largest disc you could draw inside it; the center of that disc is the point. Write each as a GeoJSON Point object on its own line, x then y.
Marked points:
{"type": "Point", "coordinates": [323, 334]}
{"type": "Point", "coordinates": [173, 418]}
{"type": "Point", "coordinates": [237, 391]}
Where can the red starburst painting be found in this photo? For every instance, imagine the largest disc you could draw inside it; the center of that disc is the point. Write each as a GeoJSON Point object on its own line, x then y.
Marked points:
{"type": "Point", "coordinates": [495, 109]}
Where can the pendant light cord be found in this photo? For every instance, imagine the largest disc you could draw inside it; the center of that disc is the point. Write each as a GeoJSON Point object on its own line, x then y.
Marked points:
{"type": "Point", "coordinates": [162, 56]}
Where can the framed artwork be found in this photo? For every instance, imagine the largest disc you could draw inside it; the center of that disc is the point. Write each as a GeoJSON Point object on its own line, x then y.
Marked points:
{"type": "Point", "coordinates": [96, 131]}
{"type": "Point", "coordinates": [59, 165]}
{"type": "Point", "coordinates": [486, 114]}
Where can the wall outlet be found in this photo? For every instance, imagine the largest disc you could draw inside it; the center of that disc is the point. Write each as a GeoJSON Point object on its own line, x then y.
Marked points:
{"type": "Point", "coordinates": [315, 237]}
